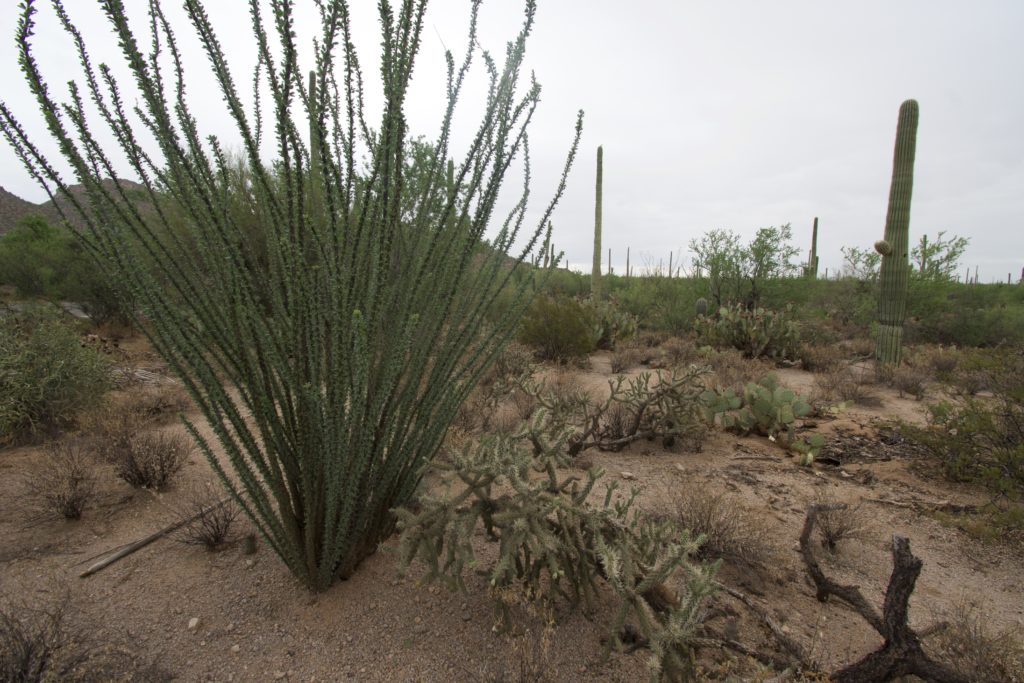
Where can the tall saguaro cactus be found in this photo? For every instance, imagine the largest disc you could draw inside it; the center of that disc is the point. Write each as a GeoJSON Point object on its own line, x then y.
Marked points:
{"type": "Point", "coordinates": [812, 260]}
{"type": "Point", "coordinates": [595, 272]}
{"type": "Point", "coordinates": [892, 298]}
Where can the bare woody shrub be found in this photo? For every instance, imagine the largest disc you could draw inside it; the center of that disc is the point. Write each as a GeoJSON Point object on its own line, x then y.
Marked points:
{"type": "Point", "coordinates": [210, 519]}
{"type": "Point", "coordinates": [975, 650]}
{"type": "Point", "coordinates": [624, 358]}
{"type": "Point", "coordinates": [836, 524]}
{"type": "Point", "coordinates": [730, 531]}
{"type": "Point", "coordinates": [910, 380]}
{"type": "Point", "coordinates": [821, 357]}
{"type": "Point", "coordinates": [63, 481]}
{"type": "Point", "coordinates": [846, 383]}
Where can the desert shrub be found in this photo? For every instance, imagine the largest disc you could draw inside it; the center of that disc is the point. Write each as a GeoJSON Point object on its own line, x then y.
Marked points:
{"type": "Point", "coordinates": [678, 352]}
{"type": "Point", "coordinates": [210, 519]}
{"type": "Point", "coordinates": [148, 460]}
{"type": "Point", "coordinates": [558, 328]}
{"type": "Point", "coordinates": [731, 369]}
{"type": "Point", "coordinates": [846, 383]}
{"type": "Point", "coordinates": [500, 383]}
{"type": "Point", "coordinates": [859, 347]}
{"type": "Point", "coordinates": [972, 648]}
{"type": "Point", "coordinates": [982, 439]}
{"type": "Point", "coordinates": [36, 646]}
{"type": "Point", "coordinates": [837, 524]}
{"type": "Point", "coordinates": [941, 360]}
{"type": "Point", "coordinates": [46, 376]}
{"type": "Point", "coordinates": [651, 339]}
{"type": "Point", "coordinates": [154, 402]}
{"type": "Point", "coordinates": [41, 644]}
{"type": "Point", "coordinates": [821, 358]}
{"type": "Point", "coordinates": [624, 358]}
{"type": "Point", "coordinates": [757, 333]}
{"type": "Point", "coordinates": [729, 531]}
{"type": "Point", "coordinates": [63, 481]}
{"type": "Point", "coordinates": [909, 380]}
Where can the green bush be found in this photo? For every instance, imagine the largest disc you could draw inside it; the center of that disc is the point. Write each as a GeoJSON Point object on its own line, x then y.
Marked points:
{"type": "Point", "coordinates": [757, 333]}
{"type": "Point", "coordinates": [559, 328]}
{"type": "Point", "coordinates": [611, 325]}
{"type": "Point", "coordinates": [46, 375]}
{"type": "Point", "coordinates": [41, 260]}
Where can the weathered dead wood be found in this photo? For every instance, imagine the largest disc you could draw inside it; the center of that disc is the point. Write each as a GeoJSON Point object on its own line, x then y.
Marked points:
{"type": "Point", "coordinates": [901, 653]}
{"type": "Point", "coordinates": [127, 550]}
{"type": "Point", "coordinates": [788, 644]}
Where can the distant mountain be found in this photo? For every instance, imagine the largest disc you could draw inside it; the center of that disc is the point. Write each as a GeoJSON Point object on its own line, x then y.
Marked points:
{"type": "Point", "coordinates": [13, 208]}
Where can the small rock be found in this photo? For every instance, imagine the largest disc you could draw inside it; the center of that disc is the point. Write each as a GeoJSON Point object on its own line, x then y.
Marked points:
{"type": "Point", "coordinates": [193, 624]}
{"type": "Point", "coordinates": [466, 616]}
{"type": "Point", "coordinates": [417, 620]}
{"type": "Point", "coordinates": [680, 468]}
{"type": "Point", "coordinates": [236, 648]}
{"type": "Point", "coordinates": [419, 628]}
{"type": "Point", "coordinates": [628, 476]}
{"type": "Point", "coordinates": [278, 675]}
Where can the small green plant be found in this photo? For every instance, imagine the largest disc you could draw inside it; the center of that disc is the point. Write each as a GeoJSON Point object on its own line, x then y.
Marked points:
{"type": "Point", "coordinates": [559, 328]}
{"type": "Point", "coordinates": [47, 377]}
{"type": "Point", "coordinates": [757, 333]}
{"type": "Point", "coordinates": [764, 408]}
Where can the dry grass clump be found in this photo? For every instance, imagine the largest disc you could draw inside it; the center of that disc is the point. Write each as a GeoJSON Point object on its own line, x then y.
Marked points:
{"type": "Point", "coordinates": [859, 347]}
{"type": "Point", "coordinates": [941, 360]}
{"type": "Point", "coordinates": [624, 358]}
{"type": "Point", "coordinates": [730, 531]}
{"type": "Point", "coordinates": [651, 339]}
{"type": "Point", "coordinates": [731, 370]}
{"type": "Point", "coordinates": [678, 352]}
{"type": "Point", "coordinates": [822, 358]}
{"type": "Point", "coordinates": [63, 481]}
{"type": "Point", "coordinates": [846, 383]}
{"type": "Point", "coordinates": [907, 379]}
{"type": "Point", "coordinates": [154, 402]}
{"type": "Point", "coordinates": [837, 525]}
{"type": "Point", "coordinates": [210, 519]}
{"type": "Point", "coordinates": [970, 647]}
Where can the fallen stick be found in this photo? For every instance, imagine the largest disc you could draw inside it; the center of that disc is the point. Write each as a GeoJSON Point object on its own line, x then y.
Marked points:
{"type": "Point", "coordinates": [138, 545]}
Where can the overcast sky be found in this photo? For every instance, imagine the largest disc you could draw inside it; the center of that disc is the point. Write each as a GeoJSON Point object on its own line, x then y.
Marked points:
{"type": "Point", "coordinates": [716, 114]}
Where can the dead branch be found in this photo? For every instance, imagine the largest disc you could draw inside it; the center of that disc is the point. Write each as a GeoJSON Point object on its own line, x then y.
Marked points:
{"type": "Point", "coordinates": [138, 545]}
{"type": "Point", "coordinates": [901, 653]}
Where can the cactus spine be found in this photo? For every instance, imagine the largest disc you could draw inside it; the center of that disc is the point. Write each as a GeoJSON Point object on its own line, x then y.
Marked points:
{"type": "Point", "coordinates": [812, 261]}
{"type": "Point", "coordinates": [895, 271]}
{"type": "Point", "coordinates": [595, 273]}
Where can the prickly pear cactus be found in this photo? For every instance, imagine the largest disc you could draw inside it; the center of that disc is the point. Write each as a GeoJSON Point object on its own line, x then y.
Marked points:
{"type": "Point", "coordinates": [895, 270]}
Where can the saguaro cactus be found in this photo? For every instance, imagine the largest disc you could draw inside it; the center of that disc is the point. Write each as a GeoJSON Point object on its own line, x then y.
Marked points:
{"type": "Point", "coordinates": [895, 271]}
{"type": "Point", "coordinates": [595, 272]}
{"type": "Point", "coordinates": [812, 260]}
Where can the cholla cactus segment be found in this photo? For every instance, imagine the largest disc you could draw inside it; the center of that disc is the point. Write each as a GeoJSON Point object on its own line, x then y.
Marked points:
{"type": "Point", "coordinates": [895, 269]}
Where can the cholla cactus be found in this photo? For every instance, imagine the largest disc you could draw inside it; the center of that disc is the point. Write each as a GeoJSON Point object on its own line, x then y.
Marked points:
{"type": "Point", "coordinates": [895, 248]}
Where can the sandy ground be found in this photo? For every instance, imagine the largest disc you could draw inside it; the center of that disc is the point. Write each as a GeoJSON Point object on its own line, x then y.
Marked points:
{"type": "Point", "coordinates": [257, 624]}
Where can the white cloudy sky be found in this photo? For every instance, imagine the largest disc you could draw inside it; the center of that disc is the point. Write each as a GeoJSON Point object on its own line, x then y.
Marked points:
{"type": "Point", "coordinates": [712, 114]}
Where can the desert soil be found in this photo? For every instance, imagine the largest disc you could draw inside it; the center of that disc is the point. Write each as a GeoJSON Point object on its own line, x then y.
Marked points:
{"type": "Point", "coordinates": [255, 623]}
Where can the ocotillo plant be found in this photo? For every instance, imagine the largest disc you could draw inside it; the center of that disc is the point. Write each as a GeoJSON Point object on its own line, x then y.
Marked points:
{"type": "Point", "coordinates": [895, 269]}
{"type": "Point", "coordinates": [330, 360]}
{"type": "Point", "coordinates": [595, 271]}
{"type": "Point", "coordinates": [812, 259]}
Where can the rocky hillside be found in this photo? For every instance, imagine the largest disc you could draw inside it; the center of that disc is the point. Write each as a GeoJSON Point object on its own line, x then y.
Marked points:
{"type": "Point", "coordinates": [13, 208]}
